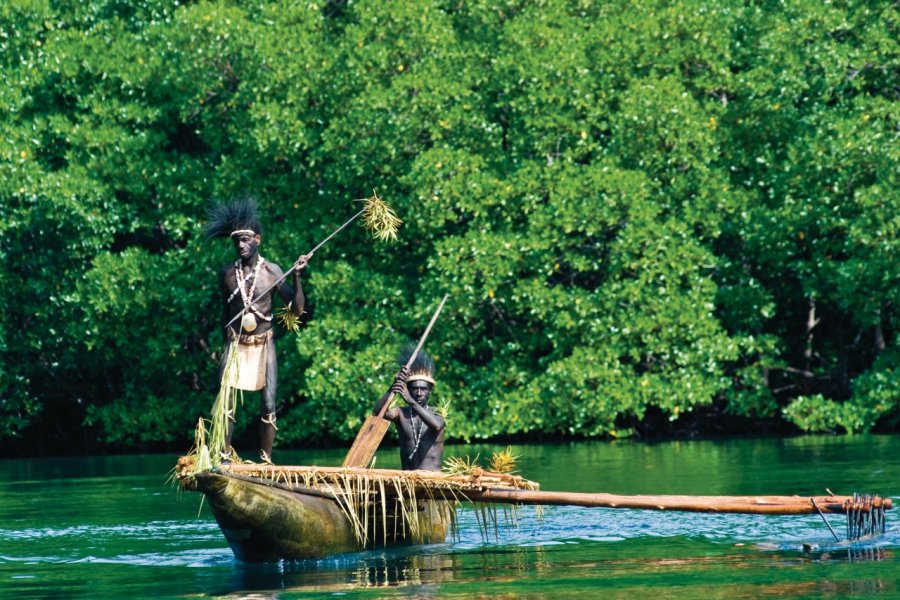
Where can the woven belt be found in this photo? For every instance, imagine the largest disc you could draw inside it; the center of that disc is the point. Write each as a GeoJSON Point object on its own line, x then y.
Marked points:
{"type": "Point", "coordinates": [251, 339]}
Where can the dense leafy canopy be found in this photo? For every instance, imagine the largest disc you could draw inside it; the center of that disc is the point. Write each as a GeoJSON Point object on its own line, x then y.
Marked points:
{"type": "Point", "coordinates": [650, 216]}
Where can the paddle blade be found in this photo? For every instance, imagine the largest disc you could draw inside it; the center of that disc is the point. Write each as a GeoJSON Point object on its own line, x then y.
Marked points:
{"type": "Point", "coordinates": [367, 441]}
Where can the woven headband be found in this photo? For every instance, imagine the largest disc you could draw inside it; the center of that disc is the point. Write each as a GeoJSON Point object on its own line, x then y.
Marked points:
{"type": "Point", "coordinates": [420, 377]}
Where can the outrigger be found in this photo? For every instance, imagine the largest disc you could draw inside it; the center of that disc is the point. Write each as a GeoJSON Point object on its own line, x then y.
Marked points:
{"type": "Point", "coordinates": [270, 513]}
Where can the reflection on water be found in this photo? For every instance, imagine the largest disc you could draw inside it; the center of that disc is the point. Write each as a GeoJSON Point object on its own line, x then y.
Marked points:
{"type": "Point", "coordinates": [111, 528]}
{"type": "Point", "coordinates": [424, 568]}
{"type": "Point", "coordinates": [553, 568]}
{"type": "Point", "coordinates": [576, 570]}
{"type": "Point", "coordinates": [404, 570]}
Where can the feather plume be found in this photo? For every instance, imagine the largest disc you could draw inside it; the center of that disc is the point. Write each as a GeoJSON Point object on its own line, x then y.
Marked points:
{"type": "Point", "coordinates": [224, 218]}
{"type": "Point", "coordinates": [422, 365]}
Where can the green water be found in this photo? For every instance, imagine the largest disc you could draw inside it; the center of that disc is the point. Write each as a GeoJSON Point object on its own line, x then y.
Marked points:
{"type": "Point", "coordinates": [111, 527]}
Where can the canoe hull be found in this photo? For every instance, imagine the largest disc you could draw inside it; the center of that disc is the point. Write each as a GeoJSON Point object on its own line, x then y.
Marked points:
{"type": "Point", "coordinates": [262, 523]}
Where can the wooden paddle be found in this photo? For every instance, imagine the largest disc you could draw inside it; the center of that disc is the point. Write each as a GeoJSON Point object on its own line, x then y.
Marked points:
{"type": "Point", "coordinates": [372, 432]}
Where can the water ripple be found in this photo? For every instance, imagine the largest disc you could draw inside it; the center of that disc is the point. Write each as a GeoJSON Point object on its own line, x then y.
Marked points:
{"type": "Point", "coordinates": [564, 524]}
{"type": "Point", "coordinates": [153, 529]}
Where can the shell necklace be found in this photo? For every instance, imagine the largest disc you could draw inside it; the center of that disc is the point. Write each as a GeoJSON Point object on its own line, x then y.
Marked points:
{"type": "Point", "coordinates": [248, 322]}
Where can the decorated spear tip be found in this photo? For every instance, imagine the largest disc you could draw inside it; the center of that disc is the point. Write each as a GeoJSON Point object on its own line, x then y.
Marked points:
{"type": "Point", "coordinates": [380, 219]}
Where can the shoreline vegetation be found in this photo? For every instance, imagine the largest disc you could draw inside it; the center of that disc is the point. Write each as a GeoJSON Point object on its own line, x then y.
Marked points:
{"type": "Point", "coordinates": [455, 447]}
{"type": "Point", "coordinates": [654, 220]}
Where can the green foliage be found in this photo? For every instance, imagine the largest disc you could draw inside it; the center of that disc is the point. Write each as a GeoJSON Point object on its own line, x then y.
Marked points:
{"type": "Point", "coordinates": [875, 394]}
{"type": "Point", "coordinates": [637, 209]}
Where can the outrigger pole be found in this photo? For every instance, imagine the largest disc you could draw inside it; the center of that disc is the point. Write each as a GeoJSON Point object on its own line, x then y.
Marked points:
{"type": "Point", "coordinates": [763, 505]}
{"type": "Point", "coordinates": [865, 512]}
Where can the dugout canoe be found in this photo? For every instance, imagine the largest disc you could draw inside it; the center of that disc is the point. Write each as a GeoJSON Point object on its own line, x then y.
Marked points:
{"type": "Point", "coordinates": [280, 512]}
{"type": "Point", "coordinates": [264, 521]}
{"type": "Point", "coordinates": [270, 513]}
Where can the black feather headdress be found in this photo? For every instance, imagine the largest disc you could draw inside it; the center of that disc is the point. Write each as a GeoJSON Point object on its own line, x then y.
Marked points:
{"type": "Point", "coordinates": [226, 219]}
{"type": "Point", "coordinates": [422, 368]}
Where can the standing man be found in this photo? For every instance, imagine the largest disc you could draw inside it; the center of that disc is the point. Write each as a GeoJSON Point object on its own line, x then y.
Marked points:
{"type": "Point", "coordinates": [421, 430]}
{"type": "Point", "coordinates": [244, 286]}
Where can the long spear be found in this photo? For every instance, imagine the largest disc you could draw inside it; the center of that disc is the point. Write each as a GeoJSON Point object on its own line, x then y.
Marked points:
{"type": "Point", "coordinates": [383, 223]}
{"type": "Point", "coordinates": [379, 218]}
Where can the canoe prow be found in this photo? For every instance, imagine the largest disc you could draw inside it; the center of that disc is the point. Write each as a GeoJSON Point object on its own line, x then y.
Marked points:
{"type": "Point", "coordinates": [263, 522]}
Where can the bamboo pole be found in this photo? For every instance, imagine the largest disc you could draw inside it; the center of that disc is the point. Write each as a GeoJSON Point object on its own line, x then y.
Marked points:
{"type": "Point", "coordinates": [765, 505]}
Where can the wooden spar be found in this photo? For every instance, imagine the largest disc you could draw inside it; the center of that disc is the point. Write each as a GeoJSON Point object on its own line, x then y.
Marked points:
{"type": "Point", "coordinates": [766, 505]}
{"type": "Point", "coordinates": [481, 480]}
{"type": "Point", "coordinates": [372, 432]}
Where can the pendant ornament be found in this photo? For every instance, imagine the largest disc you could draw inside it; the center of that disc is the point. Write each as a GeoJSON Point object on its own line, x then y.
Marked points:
{"type": "Point", "coordinates": [248, 322]}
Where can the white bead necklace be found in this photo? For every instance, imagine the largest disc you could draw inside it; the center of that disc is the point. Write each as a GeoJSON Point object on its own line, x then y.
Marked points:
{"type": "Point", "coordinates": [417, 432]}
{"type": "Point", "coordinates": [248, 322]}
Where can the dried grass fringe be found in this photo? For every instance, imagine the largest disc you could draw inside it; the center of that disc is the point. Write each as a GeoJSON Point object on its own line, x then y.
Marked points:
{"type": "Point", "coordinates": [207, 454]}
{"type": "Point", "coordinates": [390, 502]}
